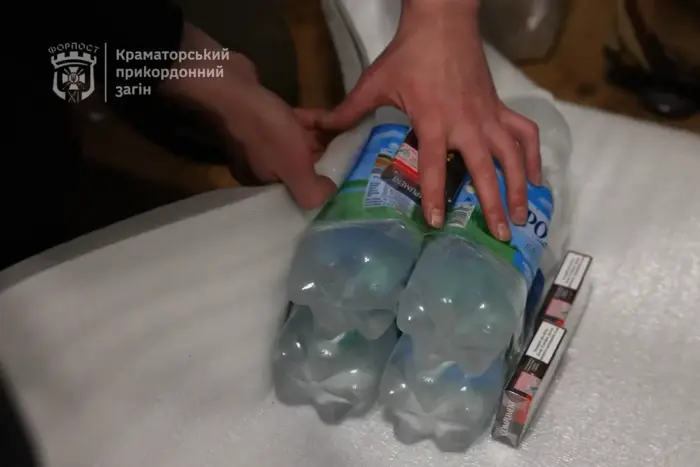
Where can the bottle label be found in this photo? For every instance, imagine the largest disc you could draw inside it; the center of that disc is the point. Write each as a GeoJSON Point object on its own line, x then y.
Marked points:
{"type": "Point", "coordinates": [384, 182]}
{"type": "Point", "coordinates": [364, 194]}
{"type": "Point", "coordinates": [524, 250]}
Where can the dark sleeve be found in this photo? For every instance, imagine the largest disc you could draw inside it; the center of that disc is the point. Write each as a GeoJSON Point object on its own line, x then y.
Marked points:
{"type": "Point", "coordinates": [104, 30]}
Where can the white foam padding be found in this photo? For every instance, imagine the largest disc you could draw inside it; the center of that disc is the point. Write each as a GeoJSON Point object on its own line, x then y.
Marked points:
{"type": "Point", "coordinates": [148, 343]}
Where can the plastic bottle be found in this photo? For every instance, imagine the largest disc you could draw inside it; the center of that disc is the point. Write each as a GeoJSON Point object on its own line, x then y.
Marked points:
{"type": "Point", "coordinates": [466, 296]}
{"type": "Point", "coordinates": [354, 261]}
{"type": "Point", "coordinates": [465, 301]}
{"type": "Point", "coordinates": [556, 147]}
{"type": "Point", "coordinates": [435, 399]}
{"type": "Point", "coordinates": [438, 401]}
{"type": "Point", "coordinates": [339, 377]}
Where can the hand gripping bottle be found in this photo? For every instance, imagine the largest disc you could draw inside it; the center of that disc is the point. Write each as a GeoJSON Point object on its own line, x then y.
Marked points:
{"type": "Point", "coordinates": [355, 259]}
{"type": "Point", "coordinates": [555, 150]}
{"type": "Point", "coordinates": [466, 296]}
{"type": "Point", "coordinates": [465, 300]}
{"type": "Point", "coordinates": [339, 377]}
{"type": "Point", "coordinates": [346, 278]}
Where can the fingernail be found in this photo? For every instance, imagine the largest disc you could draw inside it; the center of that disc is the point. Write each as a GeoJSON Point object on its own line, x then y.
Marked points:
{"type": "Point", "coordinates": [520, 215]}
{"type": "Point", "coordinates": [503, 232]}
{"type": "Point", "coordinates": [436, 218]}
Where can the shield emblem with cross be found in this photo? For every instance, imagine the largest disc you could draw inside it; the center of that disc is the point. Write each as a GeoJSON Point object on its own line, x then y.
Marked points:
{"type": "Point", "coordinates": [74, 75]}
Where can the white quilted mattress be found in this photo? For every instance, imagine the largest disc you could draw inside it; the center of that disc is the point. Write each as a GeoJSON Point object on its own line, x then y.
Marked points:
{"type": "Point", "coordinates": [147, 344]}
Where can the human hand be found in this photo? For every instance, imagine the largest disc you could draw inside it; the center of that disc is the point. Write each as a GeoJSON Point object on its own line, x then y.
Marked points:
{"type": "Point", "coordinates": [435, 71]}
{"type": "Point", "coordinates": [281, 144]}
{"type": "Point", "coordinates": [274, 142]}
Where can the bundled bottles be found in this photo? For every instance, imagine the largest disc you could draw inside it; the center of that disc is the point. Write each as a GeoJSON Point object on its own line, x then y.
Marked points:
{"type": "Point", "coordinates": [369, 269]}
{"type": "Point", "coordinates": [353, 263]}
{"type": "Point", "coordinates": [463, 310]}
{"type": "Point", "coordinates": [345, 280]}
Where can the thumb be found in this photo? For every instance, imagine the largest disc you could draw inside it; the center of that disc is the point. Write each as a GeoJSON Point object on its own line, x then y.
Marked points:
{"type": "Point", "coordinates": [308, 189]}
{"type": "Point", "coordinates": [363, 99]}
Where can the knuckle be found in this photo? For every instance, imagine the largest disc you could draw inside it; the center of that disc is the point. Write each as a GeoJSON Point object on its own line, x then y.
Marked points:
{"type": "Point", "coordinates": [486, 185]}
{"type": "Point", "coordinates": [509, 152]}
{"type": "Point", "coordinates": [492, 125]}
{"type": "Point", "coordinates": [431, 179]}
{"type": "Point", "coordinates": [481, 166]}
{"type": "Point", "coordinates": [494, 210]}
{"type": "Point", "coordinates": [486, 182]}
{"type": "Point", "coordinates": [429, 163]}
{"type": "Point", "coordinates": [518, 195]}
{"type": "Point", "coordinates": [428, 125]}
{"type": "Point", "coordinates": [530, 128]}
{"type": "Point", "coordinates": [429, 142]}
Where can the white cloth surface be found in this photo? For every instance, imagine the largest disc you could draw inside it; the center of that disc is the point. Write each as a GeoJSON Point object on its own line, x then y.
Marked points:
{"type": "Point", "coordinates": [148, 343]}
{"type": "Point", "coordinates": [154, 350]}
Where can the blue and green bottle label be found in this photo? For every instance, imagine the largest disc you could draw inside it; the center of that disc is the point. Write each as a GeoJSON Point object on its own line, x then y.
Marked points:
{"type": "Point", "coordinates": [524, 250]}
{"type": "Point", "coordinates": [384, 183]}
{"type": "Point", "coordinates": [364, 195]}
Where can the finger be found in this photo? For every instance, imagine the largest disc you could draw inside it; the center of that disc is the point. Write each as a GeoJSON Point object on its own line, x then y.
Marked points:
{"type": "Point", "coordinates": [528, 135]}
{"type": "Point", "coordinates": [317, 139]}
{"type": "Point", "coordinates": [510, 157]}
{"type": "Point", "coordinates": [308, 118]}
{"type": "Point", "coordinates": [312, 192]}
{"type": "Point", "coordinates": [318, 143]}
{"type": "Point", "coordinates": [483, 173]}
{"type": "Point", "coordinates": [308, 189]}
{"type": "Point", "coordinates": [363, 99]}
{"type": "Point", "coordinates": [432, 157]}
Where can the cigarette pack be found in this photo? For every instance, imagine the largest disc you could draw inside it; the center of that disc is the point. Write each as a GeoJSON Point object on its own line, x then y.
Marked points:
{"type": "Point", "coordinates": [561, 311]}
